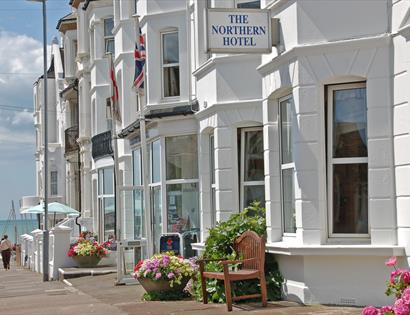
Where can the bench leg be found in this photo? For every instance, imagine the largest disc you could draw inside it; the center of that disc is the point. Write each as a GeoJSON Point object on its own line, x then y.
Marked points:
{"type": "Point", "coordinates": [264, 294]}
{"type": "Point", "coordinates": [204, 292]}
{"type": "Point", "coordinates": [228, 294]}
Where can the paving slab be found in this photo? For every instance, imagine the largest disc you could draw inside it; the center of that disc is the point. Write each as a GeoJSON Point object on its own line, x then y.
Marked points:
{"type": "Point", "coordinates": [74, 272]}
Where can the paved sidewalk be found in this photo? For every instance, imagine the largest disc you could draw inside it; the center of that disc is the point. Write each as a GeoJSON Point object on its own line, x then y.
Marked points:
{"type": "Point", "coordinates": [128, 299]}
{"type": "Point", "coordinates": [23, 292]}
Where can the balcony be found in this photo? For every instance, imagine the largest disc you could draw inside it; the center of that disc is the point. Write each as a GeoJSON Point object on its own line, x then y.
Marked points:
{"type": "Point", "coordinates": [71, 136]}
{"type": "Point", "coordinates": [101, 145]}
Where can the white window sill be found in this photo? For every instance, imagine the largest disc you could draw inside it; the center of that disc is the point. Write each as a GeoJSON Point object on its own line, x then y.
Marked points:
{"type": "Point", "coordinates": [284, 248]}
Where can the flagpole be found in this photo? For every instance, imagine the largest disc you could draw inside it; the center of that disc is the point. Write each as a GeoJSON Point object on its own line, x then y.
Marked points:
{"type": "Point", "coordinates": [144, 155]}
{"type": "Point", "coordinates": [118, 215]}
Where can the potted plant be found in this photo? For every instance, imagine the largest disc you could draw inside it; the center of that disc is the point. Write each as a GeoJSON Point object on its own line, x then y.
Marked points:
{"type": "Point", "coordinates": [164, 272]}
{"type": "Point", "coordinates": [87, 253]}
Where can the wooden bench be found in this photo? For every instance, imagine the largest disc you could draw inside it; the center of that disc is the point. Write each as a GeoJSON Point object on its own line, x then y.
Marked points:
{"type": "Point", "coordinates": [251, 248]}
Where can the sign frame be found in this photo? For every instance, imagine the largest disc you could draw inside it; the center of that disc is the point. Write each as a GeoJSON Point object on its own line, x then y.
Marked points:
{"type": "Point", "coordinates": [239, 50]}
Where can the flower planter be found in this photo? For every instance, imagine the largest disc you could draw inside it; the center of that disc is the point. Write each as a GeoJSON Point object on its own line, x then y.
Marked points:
{"type": "Point", "coordinates": [87, 261]}
{"type": "Point", "coordinates": [162, 285]}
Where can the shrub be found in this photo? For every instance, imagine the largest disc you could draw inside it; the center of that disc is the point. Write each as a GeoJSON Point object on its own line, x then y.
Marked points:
{"type": "Point", "coordinates": [219, 245]}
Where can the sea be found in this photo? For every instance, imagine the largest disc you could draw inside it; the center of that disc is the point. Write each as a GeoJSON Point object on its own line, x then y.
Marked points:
{"type": "Point", "coordinates": [23, 226]}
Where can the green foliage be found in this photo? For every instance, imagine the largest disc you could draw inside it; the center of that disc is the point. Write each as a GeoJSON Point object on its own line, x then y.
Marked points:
{"type": "Point", "coordinates": [166, 296]}
{"type": "Point", "coordinates": [219, 245]}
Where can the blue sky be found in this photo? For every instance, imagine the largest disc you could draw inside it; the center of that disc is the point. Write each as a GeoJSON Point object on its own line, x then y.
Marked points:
{"type": "Point", "coordinates": [21, 38]}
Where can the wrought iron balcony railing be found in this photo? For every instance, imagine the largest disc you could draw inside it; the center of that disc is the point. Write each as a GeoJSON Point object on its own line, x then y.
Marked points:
{"type": "Point", "coordinates": [101, 145]}
{"type": "Point", "coordinates": [71, 136]}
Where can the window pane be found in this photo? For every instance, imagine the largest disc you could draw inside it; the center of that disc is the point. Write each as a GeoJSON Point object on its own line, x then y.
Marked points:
{"type": "Point", "coordinates": [109, 218]}
{"type": "Point", "coordinates": [170, 48]}
{"type": "Point", "coordinates": [100, 181]}
{"type": "Point", "coordinates": [254, 193]}
{"type": "Point", "coordinates": [248, 4]}
{"type": "Point", "coordinates": [156, 162]}
{"type": "Point", "coordinates": [108, 181]}
{"type": "Point", "coordinates": [108, 26]}
{"type": "Point", "coordinates": [136, 155]}
{"type": "Point", "coordinates": [110, 46]}
{"type": "Point", "coordinates": [254, 164]}
{"type": "Point", "coordinates": [139, 226]}
{"type": "Point", "coordinates": [349, 123]}
{"type": "Point", "coordinates": [212, 157]}
{"type": "Point", "coordinates": [182, 157]}
{"type": "Point", "coordinates": [182, 205]}
{"type": "Point", "coordinates": [288, 192]}
{"type": "Point", "coordinates": [213, 206]}
{"type": "Point", "coordinates": [171, 81]}
{"type": "Point", "coordinates": [350, 212]}
{"type": "Point", "coordinates": [157, 218]}
{"type": "Point", "coordinates": [53, 183]}
{"type": "Point", "coordinates": [286, 130]}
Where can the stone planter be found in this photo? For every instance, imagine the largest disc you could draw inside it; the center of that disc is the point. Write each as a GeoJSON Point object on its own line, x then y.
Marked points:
{"type": "Point", "coordinates": [87, 261]}
{"type": "Point", "coordinates": [162, 285]}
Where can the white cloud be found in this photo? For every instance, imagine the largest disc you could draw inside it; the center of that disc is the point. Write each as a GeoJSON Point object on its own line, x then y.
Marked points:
{"type": "Point", "coordinates": [22, 118]}
{"type": "Point", "coordinates": [22, 56]}
{"type": "Point", "coordinates": [12, 139]}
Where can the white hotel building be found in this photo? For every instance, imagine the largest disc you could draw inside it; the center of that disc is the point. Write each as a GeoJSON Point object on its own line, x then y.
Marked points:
{"type": "Point", "coordinates": [317, 129]}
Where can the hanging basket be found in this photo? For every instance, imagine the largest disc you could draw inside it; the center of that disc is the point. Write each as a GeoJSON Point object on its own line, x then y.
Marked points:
{"type": "Point", "coordinates": [87, 261]}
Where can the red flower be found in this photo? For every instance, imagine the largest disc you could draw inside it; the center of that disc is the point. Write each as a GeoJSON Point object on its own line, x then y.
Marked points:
{"type": "Point", "coordinates": [138, 266]}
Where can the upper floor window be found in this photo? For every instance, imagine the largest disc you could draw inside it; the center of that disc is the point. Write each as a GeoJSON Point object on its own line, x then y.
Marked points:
{"type": "Point", "coordinates": [134, 6]}
{"type": "Point", "coordinates": [108, 36]}
{"type": "Point", "coordinates": [252, 166]}
{"type": "Point", "coordinates": [170, 64]}
{"type": "Point", "coordinates": [53, 183]}
{"type": "Point", "coordinates": [347, 160]}
{"type": "Point", "coordinates": [248, 4]}
{"type": "Point", "coordinates": [287, 165]}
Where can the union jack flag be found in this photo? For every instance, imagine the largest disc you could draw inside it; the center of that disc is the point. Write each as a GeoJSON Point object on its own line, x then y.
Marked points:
{"type": "Point", "coordinates": [114, 92]}
{"type": "Point", "coordinates": [139, 56]}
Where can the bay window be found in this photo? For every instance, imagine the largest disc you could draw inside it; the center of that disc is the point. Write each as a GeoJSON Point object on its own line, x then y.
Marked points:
{"type": "Point", "coordinates": [347, 160]}
{"type": "Point", "coordinates": [287, 165]}
{"type": "Point", "coordinates": [106, 203]}
{"type": "Point", "coordinates": [154, 151]}
{"type": "Point", "coordinates": [138, 192]}
{"type": "Point", "coordinates": [252, 174]}
{"type": "Point", "coordinates": [170, 64]}
{"type": "Point", "coordinates": [182, 184]}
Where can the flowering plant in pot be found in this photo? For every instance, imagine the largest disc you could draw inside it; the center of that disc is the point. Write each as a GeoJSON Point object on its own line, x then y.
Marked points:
{"type": "Point", "coordinates": [399, 286]}
{"type": "Point", "coordinates": [88, 253]}
{"type": "Point", "coordinates": [165, 272]}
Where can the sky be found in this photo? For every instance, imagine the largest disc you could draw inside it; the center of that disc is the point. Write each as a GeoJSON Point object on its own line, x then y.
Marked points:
{"type": "Point", "coordinates": [21, 63]}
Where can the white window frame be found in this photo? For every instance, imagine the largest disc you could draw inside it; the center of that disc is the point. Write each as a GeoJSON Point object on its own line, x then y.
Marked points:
{"type": "Point", "coordinates": [333, 161]}
{"type": "Point", "coordinates": [244, 183]}
{"type": "Point", "coordinates": [169, 65]}
{"type": "Point", "coordinates": [108, 38]}
{"type": "Point", "coordinates": [54, 184]}
{"type": "Point", "coordinates": [284, 166]}
{"type": "Point", "coordinates": [212, 178]}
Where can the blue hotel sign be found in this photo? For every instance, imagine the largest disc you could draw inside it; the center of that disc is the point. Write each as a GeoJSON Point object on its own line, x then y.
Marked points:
{"type": "Point", "coordinates": [239, 31]}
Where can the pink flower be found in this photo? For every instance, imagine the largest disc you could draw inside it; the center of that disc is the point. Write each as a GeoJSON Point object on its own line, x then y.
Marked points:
{"type": "Point", "coordinates": [405, 276]}
{"type": "Point", "coordinates": [158, 275]}
{"type": "Point", "coordinates": [392, 261]}
{"type": "Point", "coordinates": [394, 274]}
{"type": "Point", "coordinates": [401, 308]}
{"type": "Point", "coordinates": [386, 309]}
{"type": "Point", "coordinates": [171, 275]}
{"type": "Point", "coordinates": [405, 296]}
{"type": "Point", "coordinates": [370, 310]}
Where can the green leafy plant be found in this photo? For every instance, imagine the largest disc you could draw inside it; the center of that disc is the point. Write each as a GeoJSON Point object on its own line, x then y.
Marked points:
{"type": "Point", "coordinates": [219, 245]}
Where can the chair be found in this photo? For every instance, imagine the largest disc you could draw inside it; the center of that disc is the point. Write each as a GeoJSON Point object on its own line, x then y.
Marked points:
{"type": "Point", "coordinates": [250, 247]}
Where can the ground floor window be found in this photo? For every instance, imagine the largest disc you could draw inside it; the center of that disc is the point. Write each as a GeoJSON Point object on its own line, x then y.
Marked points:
{"type": "Point", "coordinates": [287, 164]}
{"type": "Point", "coordinates": [252, 174]}
{"type": "Point", "coordinates": [212, 173]}
{"type": "Point", "coordinates": [106, 203]}
{"type": "Point", "coordinates": [348, 159]}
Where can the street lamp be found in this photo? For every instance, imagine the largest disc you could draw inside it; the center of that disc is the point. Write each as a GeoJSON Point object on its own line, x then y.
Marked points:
{"type": "Point", "coordinates": [45, 232]}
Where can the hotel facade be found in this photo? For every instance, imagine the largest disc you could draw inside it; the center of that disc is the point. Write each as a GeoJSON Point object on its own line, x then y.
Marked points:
{"type": "Point", "coordinates": [317, 129]}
